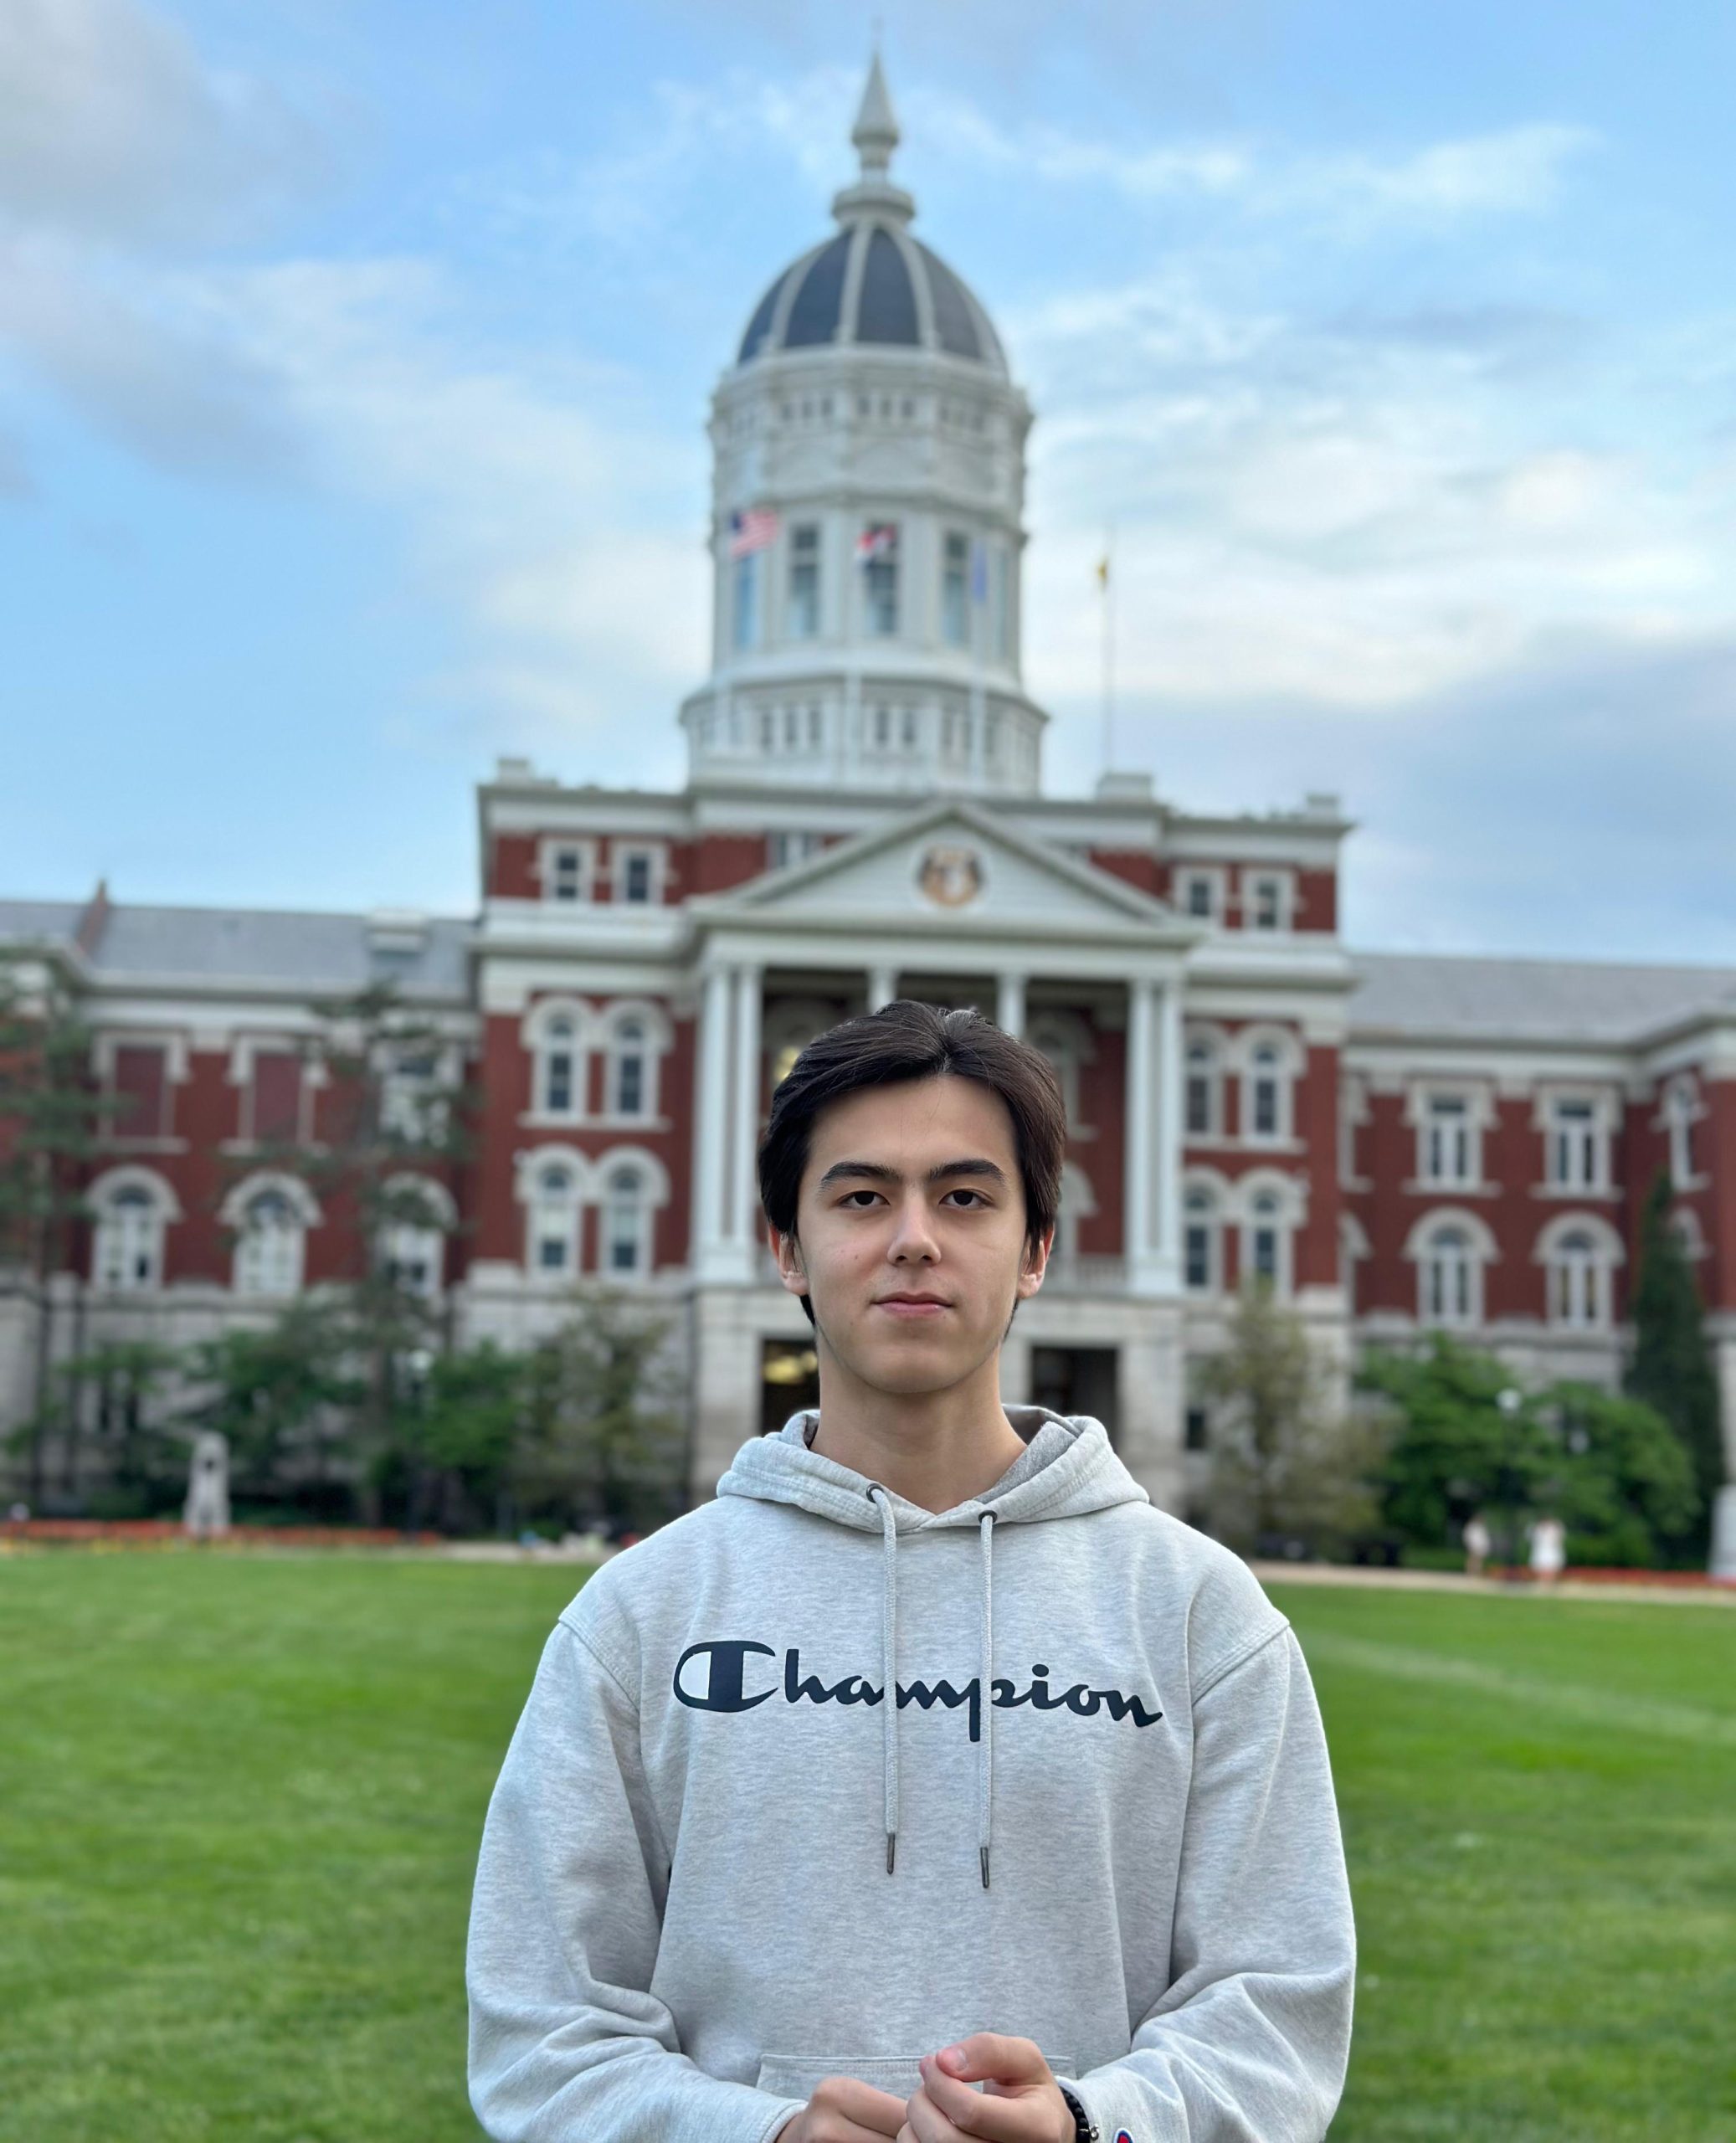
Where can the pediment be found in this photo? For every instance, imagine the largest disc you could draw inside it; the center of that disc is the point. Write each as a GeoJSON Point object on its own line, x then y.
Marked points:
{"type": "Point", "coordinates": [950, 862]}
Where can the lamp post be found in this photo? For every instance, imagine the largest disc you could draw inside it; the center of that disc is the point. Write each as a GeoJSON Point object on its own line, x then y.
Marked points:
{"type": "Point", "coordinates": [418, 1362]}
{"type": "Point", "coordinates": [1510, 1400]}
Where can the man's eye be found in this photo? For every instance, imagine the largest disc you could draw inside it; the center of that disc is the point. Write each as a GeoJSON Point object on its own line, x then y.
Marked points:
{"type": "Point", "coordinates": [976, 1194]}
{"type": "Point", "coordinates": [850, 1195]}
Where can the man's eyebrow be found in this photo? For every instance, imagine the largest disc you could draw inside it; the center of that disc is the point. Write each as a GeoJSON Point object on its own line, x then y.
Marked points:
{"type": "Point", "coordinates": [878, 1172]}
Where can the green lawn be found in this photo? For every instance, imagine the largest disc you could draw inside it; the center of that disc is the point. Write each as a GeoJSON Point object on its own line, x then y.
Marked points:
{"type": "Point", "coordinates": [240, 1800]}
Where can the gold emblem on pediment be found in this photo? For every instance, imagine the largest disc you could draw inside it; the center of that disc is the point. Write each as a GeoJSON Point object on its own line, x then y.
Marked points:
{"type": "Point", "coordinates": [950, 874]}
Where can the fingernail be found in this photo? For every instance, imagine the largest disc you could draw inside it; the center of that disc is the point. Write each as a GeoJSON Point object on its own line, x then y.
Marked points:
{"type": "Point", "coordinates": [953, 2057]}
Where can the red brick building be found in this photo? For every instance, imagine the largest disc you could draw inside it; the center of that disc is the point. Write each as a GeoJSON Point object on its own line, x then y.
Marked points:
{"type": "Point", "coordinates": [1398, 1141]}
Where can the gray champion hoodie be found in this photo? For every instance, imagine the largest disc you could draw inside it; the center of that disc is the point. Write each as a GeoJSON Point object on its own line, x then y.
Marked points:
{"type": "Point", "coordinates": [719, 1865]}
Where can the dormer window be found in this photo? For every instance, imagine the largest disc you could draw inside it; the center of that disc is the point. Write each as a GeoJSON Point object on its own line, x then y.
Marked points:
{"type": "Point", "coordinates": [1200, 894]}
{"type": "Point", "coordinates": [1268, 901]}
{"type": "Point", "coordinates": [566, 870]}
{"type": "Point", "coordinates": [639, 876]}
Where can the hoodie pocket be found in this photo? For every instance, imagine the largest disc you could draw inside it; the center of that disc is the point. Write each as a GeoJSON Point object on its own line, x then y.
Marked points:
{"type": "Point", "coordinates": [798, 2075]}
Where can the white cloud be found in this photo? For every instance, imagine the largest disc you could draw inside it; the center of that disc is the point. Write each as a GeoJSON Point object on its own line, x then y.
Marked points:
{"type": "Point", "coordinates": [113, 127]}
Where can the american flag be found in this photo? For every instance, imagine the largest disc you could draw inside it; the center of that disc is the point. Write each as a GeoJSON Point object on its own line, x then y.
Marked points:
{"type": "Point", "coordinates": [751, 531]}
{"type": "Point", "coordinates": [881, 540]}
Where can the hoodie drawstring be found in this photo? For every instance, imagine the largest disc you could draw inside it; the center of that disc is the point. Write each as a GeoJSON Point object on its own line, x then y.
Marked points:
{"type": "Point", "coordinates": [889, 1660]}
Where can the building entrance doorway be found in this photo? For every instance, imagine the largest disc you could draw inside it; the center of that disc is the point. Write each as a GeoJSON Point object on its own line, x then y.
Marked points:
{"type": "Point", "coordinates": [1075, 1380]}
{"type": "Point", "coordinates": [788, 1381]}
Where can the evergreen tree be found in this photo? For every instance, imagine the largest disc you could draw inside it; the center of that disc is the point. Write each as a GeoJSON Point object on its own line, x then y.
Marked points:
{"type": "Point", "coordinates": [1671, 1367]}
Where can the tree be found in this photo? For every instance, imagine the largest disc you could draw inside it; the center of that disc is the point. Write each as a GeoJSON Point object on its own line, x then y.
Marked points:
{"type": "Point", "coordinates": [601, 1439]}
{"type": "Point", "coordinates": [1469, 1437]}
{"type": "Point", "coordinates": [1456, 1449]}
{"type": "Point", "coordinates": [1671, 1369]}
{"type": "Point", "coordinates": [1283, 1463]}
{"type": "Point", "coordinates": [276, 1395]}
{"type": "Point", "coordinates": [50, 1114]}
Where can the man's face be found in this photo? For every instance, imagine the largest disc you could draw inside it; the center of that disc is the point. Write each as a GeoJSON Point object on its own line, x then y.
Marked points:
{"type": "Point", "coordinates": [913, 1190]}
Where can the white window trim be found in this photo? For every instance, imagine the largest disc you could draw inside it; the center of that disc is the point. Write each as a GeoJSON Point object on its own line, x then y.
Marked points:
{"type": "Point", "coordinates": [1289, 1071]}
{"type": "Point", "coordinates": [177, 1068]}
{"type": "Point", "coordinates": [657, 852]}
{"type": "Point", "coordinates": [233, 1212]}
{"type": "Point", "coordinates": [1194, 1033]}
{"type": "Point", "coordinates": [586, 846]}
{"type": "Point", "coordinates": [1215, 1223]}
{"type": "Point", "coordinates": [1609, 1252]}
{"type": "Point", "coordinates": [1604, 1118]}
{"type": "Point", "coordinates": [605, 1029]}
{"type": "Point", "coordinates": [528, 1166]}
{"type": "Point", "coordinates": [1484, 1253]}
{"type": "Point", "coordinates": [1078, 1202]}
{"type": "Point", "coordinates": [1479, 1115]}
{"type": "Point", "coordinates": [533, 1035]}
{"type": "Point", "coordinates": [315, 1076]}
{"type": "Point", "coordinates": [99, 1199]}
{"type": "Point", "coordinates": [1284, 879]}
{"type": "Point", "coordinates": [1354, 1116]}
{"type": "Point", "coordinates": [655, 1178]}
{"type": "Point", "coordinates": [1291, 1194]}
{"type": "Point", "coordinates": [1214, 877]}
{"type": "Point", "coordinates": [1073, 1045]}
{"type": "Point", "coordinates": [442, 1211]}
{"type": "Point", "coordinates": [1680, 1105]}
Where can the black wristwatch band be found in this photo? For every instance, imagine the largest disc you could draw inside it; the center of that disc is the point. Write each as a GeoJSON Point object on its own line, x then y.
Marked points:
{"type": "Point", "coordinates": [1085, 2129]}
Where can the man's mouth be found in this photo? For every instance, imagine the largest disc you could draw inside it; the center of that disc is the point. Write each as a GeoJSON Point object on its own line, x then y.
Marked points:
{"type": "Point", "coordinates": [912, 1305]}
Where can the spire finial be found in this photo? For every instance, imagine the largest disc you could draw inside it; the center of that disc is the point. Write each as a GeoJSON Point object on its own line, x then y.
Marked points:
{"type": "Point", "coordinates": [875, 132]}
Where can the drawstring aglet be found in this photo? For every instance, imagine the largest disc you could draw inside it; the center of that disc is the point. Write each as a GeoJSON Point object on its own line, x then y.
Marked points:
{"type": "Point", "coordinates": [984, 1851]}
{"type": "Point", "coordinates": [891, 1841]}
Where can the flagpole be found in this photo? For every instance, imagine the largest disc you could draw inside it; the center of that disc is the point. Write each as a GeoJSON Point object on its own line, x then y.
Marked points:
{"type": "Point", "coordinates": [1106, 581]}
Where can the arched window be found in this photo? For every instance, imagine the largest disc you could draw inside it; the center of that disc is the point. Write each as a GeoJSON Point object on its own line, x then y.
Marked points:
{"type": "Point", "coordinates": [133, 1208]}
{"type": "Point", "coordinates": [1450, 1277]}
{"type": "Point", "coordinates": [626, 1223]}
{"type": "Point", "coordinates": [1678, 1115]}
{"type": "Point", "coordinates": [1578, 1284]}
{"type": "Point", "coordinates": [413, 1236]}
{"type": "Point", "coordinates": [1579, 1252]}
{"type": "Point", "coordinates": [1265, 1242]}
{"type": "Point", "coordinates": [1269, 1067]}
{"type": "Point", "coordinates": [270, 1251]}
{"type": "Point", "coordinates": [557, 1064]}
{"type": "Point", "coordinates": [1204, 1099]}
{"type": "Point", "coordinates": [553, 1230]}
{"type": "Point", "coordinates": [1202, 1240]}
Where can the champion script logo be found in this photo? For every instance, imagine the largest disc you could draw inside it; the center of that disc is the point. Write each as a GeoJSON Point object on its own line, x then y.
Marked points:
{"type": "Point", "coordinates": [721, 1686]}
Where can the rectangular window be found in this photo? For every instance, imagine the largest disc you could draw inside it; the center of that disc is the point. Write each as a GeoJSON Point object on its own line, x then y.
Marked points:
{"type": "Point", "coordinates": [141, 1090]}
{"type": "Point", "coordinates": [1265, 904]}
{"type": "Point", "coordinates": [276, 1095]}
{"type": "Point", "coordinates": [1446, 1141]}
{"type": "Point", "coordinates": [1265, 1107]}
{"type": "Point", "coordinates": [1198, 896]}
{"type": "Point", "coordinates": [1198, 1426]}
{"type": "Point", "coordinates": [954, 591]}
{"type": "Point", "coordinates": [879, 550]}
{"type": "Point", "coordinates": [1196, 1256]}
{"type": "Point", "coordinates": [1575, 1146]}
{"type": "Point", "coordinates": [804, 580]}
{"type": "Point", "coordinates": [636, 876]}
{"type": "Point", "coordinates": [746, 612]}
{"type": "Point", "coordinates": [566, 874]}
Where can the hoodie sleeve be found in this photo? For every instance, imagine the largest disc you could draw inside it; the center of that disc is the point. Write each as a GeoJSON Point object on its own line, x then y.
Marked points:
{"type": "Point", "coordinates": [566, 2039]}
{"type": "Point", "coordinates": [1251, 2042]}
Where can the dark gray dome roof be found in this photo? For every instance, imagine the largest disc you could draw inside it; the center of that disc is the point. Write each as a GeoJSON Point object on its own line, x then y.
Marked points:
{"type": "Point", "coordinates": [872, 284]}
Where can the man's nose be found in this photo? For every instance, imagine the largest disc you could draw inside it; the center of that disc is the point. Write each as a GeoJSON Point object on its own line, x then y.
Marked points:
{"type": "Point", "coordinates": [914, 1234]}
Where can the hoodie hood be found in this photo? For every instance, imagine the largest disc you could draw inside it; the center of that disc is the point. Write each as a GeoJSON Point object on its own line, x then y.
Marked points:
{"type": "Point", "coordinates": [1068, 1469]}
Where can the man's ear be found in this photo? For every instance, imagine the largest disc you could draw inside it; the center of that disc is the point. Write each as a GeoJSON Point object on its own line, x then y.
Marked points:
{"type": "Point", "coordinates": [1035, 1263]}
{"type": "Point", "coordinates": [788, 1250]}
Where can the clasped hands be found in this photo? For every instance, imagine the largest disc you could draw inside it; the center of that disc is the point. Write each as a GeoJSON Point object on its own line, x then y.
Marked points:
{"type": "Point", "coordinates": [1019, 2102]}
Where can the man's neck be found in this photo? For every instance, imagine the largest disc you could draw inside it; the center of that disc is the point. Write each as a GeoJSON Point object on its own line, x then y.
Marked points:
{"type": "Point", "coordinates": [933, 1448]}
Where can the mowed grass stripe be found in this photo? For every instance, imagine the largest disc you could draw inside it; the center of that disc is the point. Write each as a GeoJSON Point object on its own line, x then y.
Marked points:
{"type": "Point", "coordinates": [1618, 1713]}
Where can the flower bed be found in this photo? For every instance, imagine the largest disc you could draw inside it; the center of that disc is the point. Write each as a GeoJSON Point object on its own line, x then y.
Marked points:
{"type": "Point", "coordinates": [169, 1533]}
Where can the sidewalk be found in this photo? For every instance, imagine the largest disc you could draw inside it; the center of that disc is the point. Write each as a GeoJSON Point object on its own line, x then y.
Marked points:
{"type": "Point", "coordinates": [1691, 1593]}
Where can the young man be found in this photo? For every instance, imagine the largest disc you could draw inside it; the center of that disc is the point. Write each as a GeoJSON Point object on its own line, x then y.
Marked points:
{"type": "Point", "coordinates": [929, 1783]}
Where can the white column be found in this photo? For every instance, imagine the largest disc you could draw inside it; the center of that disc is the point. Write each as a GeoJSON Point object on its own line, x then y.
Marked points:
{"type": "Point", "coordinates": [1009, 1010]}
{"type": "Point", "coordinates": [745, 1195]}
{"type": "Point", "coordinates": [1166, 1231]}
{"type": "Point", "coordinates": [710, 1154]}
{"type": "Point", "coordinates": [1136, 1223]}
{"type": "Point", "coordinates": [882, 987]}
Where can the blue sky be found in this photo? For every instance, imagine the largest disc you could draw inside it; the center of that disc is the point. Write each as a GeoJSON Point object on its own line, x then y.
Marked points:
{"type": "Point", "coordinates": [354, 360]}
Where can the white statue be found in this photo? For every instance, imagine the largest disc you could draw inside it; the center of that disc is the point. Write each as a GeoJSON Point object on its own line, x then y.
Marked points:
{"type": "Point", "coordinates": [207, 1487]}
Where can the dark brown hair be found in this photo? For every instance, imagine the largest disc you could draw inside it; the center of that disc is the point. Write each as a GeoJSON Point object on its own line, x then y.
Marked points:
{"type": "Point", "coordinates": [905, 1041]}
